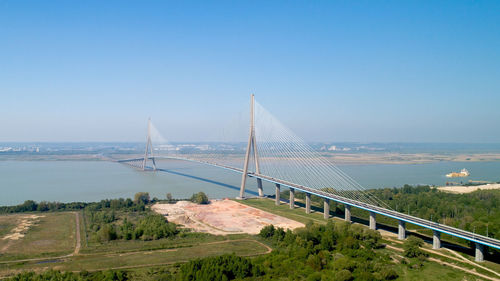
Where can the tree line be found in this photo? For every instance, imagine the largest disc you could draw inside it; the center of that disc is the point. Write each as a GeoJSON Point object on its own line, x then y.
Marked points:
{"type": "Point", "coordinates": [127, 220]}
{"type": "Point", "coordinates": [141, 199]}
{"type": "Point", "coordinates": [477, 212]}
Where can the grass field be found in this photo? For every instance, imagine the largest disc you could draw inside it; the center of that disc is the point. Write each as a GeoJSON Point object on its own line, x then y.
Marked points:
{"type": "Point", "coordinates": [7, 223]}
{"type": "Point", "coordinates": [143, 258]}
{"type": "Point", "coordinates": [49, 243]}
{"type": "Point", "coordinates": [52, 235]}
{"type": "Point", "coordinates": [434, 272]}
{"type": "Point", "coordinates": [121, 246]}
{"type": "Point", "coordinates": [284, 210]}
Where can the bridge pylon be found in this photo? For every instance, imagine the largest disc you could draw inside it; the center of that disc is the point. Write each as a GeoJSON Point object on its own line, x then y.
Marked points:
{"type": "Point", "coordinates": [251, 147]}
{"type": "Point", "coordinates": [148, 153]}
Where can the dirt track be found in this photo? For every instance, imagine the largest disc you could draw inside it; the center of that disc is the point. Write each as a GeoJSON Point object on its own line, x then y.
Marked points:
{"type": "Point", "coordinates": [471, 271]}
{"type": "Point", "coordinates": [78, 240]}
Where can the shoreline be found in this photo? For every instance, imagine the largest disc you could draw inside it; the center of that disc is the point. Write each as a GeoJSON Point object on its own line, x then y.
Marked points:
{"type": "Point", "coordinates": [459, 189]}
{"type": "Point", "coordinates": [336, 158]}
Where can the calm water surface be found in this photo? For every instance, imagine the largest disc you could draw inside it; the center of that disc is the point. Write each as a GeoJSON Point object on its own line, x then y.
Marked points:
{"type": "Point", "coordinates": [68, 181]}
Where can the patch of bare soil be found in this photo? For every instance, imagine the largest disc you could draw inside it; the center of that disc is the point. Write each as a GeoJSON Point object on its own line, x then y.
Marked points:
{"type": "Point", "coordinates": [468, 189]}
{"type": "Point", "coordinates": [222, 217]}
{"type": "Point", "coordinates": [23, 225]}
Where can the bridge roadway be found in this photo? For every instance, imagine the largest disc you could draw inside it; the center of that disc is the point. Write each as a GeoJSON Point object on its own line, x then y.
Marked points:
{"type": "Point", "coordinates": [441, 228]}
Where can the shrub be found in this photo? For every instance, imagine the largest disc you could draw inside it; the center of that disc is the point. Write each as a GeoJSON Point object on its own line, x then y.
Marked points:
{"type": "Point", "coordinates": [412, 247]}
{"type": "Point", "coordinates": [267, 231]}
{"type": "Point", "coordinates": [225, 267]}
{"type": "Point", "coordinates": [387, 273]}
{"type": "Point", "coordinates": [343, 275]}
{"type": "Point", "coordinates": [107, 233]}
{"type": "Point", "coordinates": [141, 198]}
{"type": "Point", "coordinates": [154, 227]}
{"type": "Point", "coordinates": [200, 198]}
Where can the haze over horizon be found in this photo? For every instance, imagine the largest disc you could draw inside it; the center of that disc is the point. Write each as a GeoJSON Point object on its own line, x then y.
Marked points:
{"type": "Point", "coordinates": [413, 71]}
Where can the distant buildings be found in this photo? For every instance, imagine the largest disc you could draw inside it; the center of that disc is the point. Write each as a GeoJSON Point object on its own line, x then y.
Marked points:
{"type": "Point", "coordinates": [20, 149]}
{"type": "Point", "coordinates": [335, 148]}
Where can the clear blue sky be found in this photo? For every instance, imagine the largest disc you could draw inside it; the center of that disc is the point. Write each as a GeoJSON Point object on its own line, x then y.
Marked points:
{"type": "Point", "coordinates": [331, 70]}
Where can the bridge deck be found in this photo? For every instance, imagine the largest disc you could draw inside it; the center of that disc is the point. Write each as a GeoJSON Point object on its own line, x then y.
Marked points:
{"type": "Point", "coordinates": [372, 208]}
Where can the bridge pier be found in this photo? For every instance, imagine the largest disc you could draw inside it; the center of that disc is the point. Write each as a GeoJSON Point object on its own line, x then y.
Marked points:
{"type": "Point", "coordinates": [401, 230]}
{"type": "Point", "coordinates": [277, 198]}
{"type": "Point", "coordinates": [373, 221]}
{"type": "Point", "coordinates": [326, 208]}
{"type": "Point", "coordinates": [308, 203]}
{"type": "Point", "coordinates": [292, 198]}
{"type": "Point", "coordinates": [436, 239]}
{"type": "Point", "coordinates": [347, 213]}
{"type": "Point", "coordinates": [479, 252]}
{"type": "Point", "coordinates": [259, 185]}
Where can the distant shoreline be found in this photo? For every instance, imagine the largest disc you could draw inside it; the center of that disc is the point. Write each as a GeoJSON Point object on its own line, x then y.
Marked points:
{"type": "Point", "coordinates": [337, 158]}
{"type": "Point", "coordinates": [411, 158]}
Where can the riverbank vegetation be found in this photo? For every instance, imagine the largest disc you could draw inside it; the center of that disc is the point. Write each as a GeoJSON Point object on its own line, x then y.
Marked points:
{"type": "Point", "coordinates": [44, 206]}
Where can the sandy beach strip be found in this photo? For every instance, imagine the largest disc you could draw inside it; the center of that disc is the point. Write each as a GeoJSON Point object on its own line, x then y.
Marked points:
{"type": "Point", "coordinates": [467, 189]}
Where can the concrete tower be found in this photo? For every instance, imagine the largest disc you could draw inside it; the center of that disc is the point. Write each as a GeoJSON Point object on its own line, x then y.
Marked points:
{"type": "Point", "coordinates": [252, 146]}
{"type": "Point", "coordinates": [149, 149]}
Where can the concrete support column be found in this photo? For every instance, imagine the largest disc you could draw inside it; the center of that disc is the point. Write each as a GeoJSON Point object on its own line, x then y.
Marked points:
{"type": "Point", "coordinates": [259, 185]}
{"type": "Point", "coordinates": [479, 252]}
{"type": "Point", "coordinates": [401, 230]}
{"type": "Point", "coordinates": [326, 208]}
{"type": "Point", "coordinates": [277, 200]}
{"type": "Point", "coordinates": [348, 213]}
{"type": "Point", "coordinates": [308, 203]}
{"type": "Point", "coordinates": [373, 222]}
{"type": "Point", "coordinates": [292, 198]}
{"type": "Point", "coordinates": [436, 239]}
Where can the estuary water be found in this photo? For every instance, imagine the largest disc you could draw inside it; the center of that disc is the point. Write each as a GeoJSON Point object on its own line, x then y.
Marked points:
{"type": "Point", "coordinates": [68, 181]}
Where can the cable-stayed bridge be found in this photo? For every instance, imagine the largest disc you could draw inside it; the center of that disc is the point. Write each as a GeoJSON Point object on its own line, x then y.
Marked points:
{"type": "Point", "coordinates": [276, 155]}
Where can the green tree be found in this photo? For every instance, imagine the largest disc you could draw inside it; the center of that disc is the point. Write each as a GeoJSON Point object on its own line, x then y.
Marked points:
{"type": "Point", "coordinates": [154, 227]}
{"type": "Point", "coordinates": [141, 198]}
{"type": "Point", "coordinates": [412, 247]}
{"type": "Point", "coordinates": [200, 198]}
{"type": "Point", "coordinates": [343, 275]}
{"type": "Point", "coordinates": [107, 233]}
{"type": "Point", "coordinates": [267, 231]}
{"type": "Point", "coordinates": [225, 267]}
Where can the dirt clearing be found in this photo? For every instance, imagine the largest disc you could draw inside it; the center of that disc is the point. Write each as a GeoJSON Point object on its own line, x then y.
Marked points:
{"type": "Point", "coordinates": [468, 189]}
{"type": "Point", "coordinates": [22, 227]}
{"type": "Point", "coordinates": [222, 217]}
